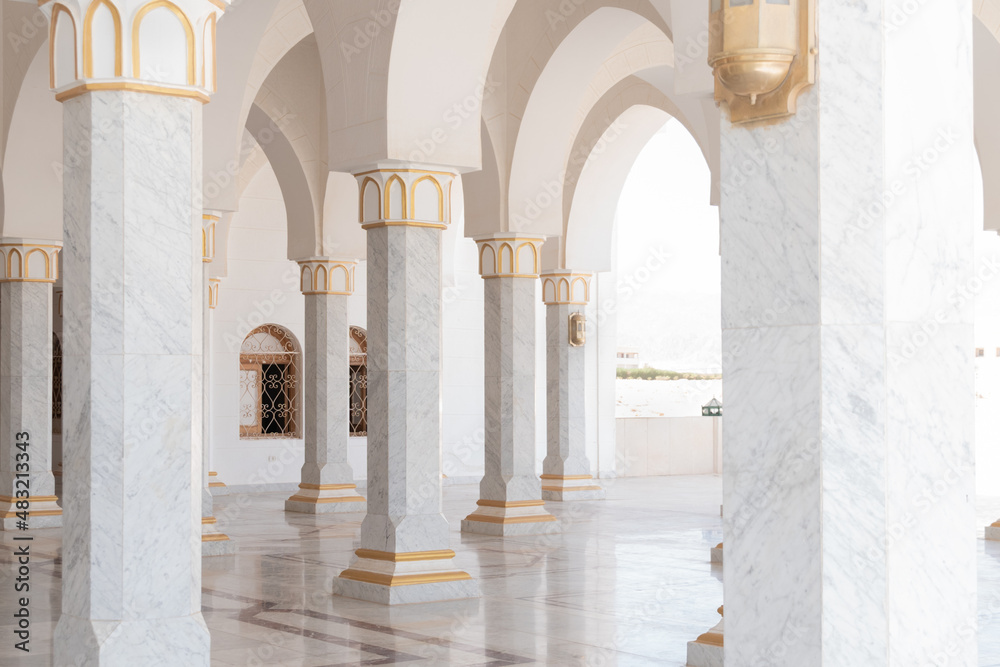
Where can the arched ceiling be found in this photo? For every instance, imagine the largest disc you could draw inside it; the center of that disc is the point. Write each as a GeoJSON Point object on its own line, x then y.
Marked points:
{"type": "Point", "coordinates": [252, 38]}
{"type": "Point", "coordinates": [392, 77]}
{"type": "Point", "coordinates": [590, 225]}
{"type": "Point", "coordinates": [292, 96]}
{"type": "Point", "coordinates": [607, 125]}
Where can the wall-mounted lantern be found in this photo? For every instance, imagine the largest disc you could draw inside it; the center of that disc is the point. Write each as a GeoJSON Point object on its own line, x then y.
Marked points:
{"type": "Point", "coordinates": [712, 409]}
{"type": "Point", "coordinates": [577, 330]}
{"type": "Point", "coordinates": [763, 53]}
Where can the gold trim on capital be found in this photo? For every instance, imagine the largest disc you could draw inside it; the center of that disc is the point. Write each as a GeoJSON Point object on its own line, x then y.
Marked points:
{"type": "Point", "coordinates": [88, 38]}
{"type": "Point", "coordinates": [53, 24]}
{"type": "Point", "coordinates": [440, 191]}
{"type": "Point", "coordinates": [402, 195]}
{"type": "Point", "coordinates": [501, 256]}
{"type": "Point", "coordinates": [188, 32]}
{"type": "Point", "coordinates": [18, 265]}
{"type": "Point", "coordinates": [403, 223]}
{"type": "Point", "coordinates": [563, 288]}
{"type": "Point", "coordinates": [213, 303]}
{"type": "Point", "coordinates": [393, 580]}
{"type": "Point", "coordinates": [322, 275]}
{"type": "Point", "coordinates": [405, 556]}
{"type": "Point", "coordinates": [208, 223]}
{"type": "Point", "coordinates": [132, 87]}
{"type": "Point", "coordinates": [566, 477]}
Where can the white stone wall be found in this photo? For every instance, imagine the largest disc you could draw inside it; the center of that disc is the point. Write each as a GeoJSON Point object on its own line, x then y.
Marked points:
{"type": "Point", "coordinates": [262, 287]}
{"type": "Point", "coordinates": [669, 446]}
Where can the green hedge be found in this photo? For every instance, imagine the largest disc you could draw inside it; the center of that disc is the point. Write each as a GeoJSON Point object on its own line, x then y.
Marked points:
{"type": "Point", "coordinates": [658, 374]}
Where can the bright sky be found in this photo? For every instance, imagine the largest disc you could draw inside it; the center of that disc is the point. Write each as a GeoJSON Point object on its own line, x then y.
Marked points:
{"type": "Point", "coordinates": [671, 313]}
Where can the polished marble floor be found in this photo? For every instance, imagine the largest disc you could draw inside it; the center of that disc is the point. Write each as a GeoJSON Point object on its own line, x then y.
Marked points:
{"type": "Point", "coordinates": [628, 583]}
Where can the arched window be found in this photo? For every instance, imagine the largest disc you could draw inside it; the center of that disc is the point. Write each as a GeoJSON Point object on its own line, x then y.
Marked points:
{"type": "Point", "coordinates": [359, 382]}
{"type": "Point", "coordinates": [269, 384]}
{"type": "Point", "coordinates": [56, 384]}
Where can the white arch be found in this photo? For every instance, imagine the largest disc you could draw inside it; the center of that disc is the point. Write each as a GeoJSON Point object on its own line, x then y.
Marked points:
{"type": "Point", "coordinates": [604, 126]}
{"type": "Point", "coordinates": [591, 220]}
{"type": "Point", "coordinates": [544, 138]}
{"type": "Point", "coordinates": [392, 78]}
{"type": "Point", "coordinates": [248, 37]}
{"type": "Point", "coordinates": [32, 177]}
{"type": "Point", "coordinates": [291, 178]}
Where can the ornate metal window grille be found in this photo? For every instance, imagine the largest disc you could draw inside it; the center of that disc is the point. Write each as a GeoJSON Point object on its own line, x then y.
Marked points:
{"type": "Point", "coordinates": [359, 383]}
{"type": "Point", "coordinates": [56, 384]}
{"type": "Point", "coordinates": [269, 384]}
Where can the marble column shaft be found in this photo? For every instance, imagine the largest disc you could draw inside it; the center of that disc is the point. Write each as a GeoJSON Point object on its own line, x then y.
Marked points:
{"type": "Point", "coordinates": [214, 542]}
{"type": "Point", "coordinates": [327, 478]}
{"type": "Point", "coordinates": [26, 391]}
{"type": "Point", "coordinates": [404, 555]}
{"type": "Point", "coordinates": [132, 536]}
{"type": "Point", "coordinates": [847, 236]}
{"type": "Point", "coordinates": [566, 472]}
{"type": "Point", "coordinates": [510, 493]}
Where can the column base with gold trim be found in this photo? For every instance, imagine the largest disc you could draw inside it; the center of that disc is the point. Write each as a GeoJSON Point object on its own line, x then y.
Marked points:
{"type": "Point", "coordinates": [571, 487]}
{"type": "Point", "coordinates": [216, 486]}
{"type": "Point", "coordinates": [43, 512]}
{"type": "Point", "coordinates": [326, 499]}
{"type": "Point", "coordinates": [717, 554]}
{"type": "Point", "coordinates": [707, 650]}
{"type": "Point", "coordinates": [213, 541]}
{"type": "Point", "coordinates": [506, 518]}
{"type": "Point", "coordinates": [993, 532]}
{"type": "Point", "coordinates": [405, 578]}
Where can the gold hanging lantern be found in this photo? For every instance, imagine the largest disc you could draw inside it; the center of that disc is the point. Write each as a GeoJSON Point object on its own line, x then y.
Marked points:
{"type": "Point", "coordinates": [763, 54]}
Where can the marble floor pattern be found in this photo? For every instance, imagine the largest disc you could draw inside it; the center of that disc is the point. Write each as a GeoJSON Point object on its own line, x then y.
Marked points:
{"type": "Point", "coordinates": [628, 582]}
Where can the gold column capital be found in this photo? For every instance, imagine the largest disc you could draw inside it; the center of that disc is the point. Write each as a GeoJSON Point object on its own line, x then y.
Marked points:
{"type": "Point", "coordinates": [213, 292]}
{"type": "Point", "coordinates": [208, 223]}
{"type": "Point", "coordinates": [405, 196]}
{"type": "Point", "coordinates": [29, 261]}
{"type": "Point", "coordinates": [563, 287]}
{"type": "Point", "coordinates": [326, 275]}
{"type": "Point", "coordinates": [510, 255]}
{"type": "Point", "coordinates": [121, 45]}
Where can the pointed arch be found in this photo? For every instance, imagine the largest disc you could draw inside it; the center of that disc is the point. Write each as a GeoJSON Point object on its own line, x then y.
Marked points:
{"type": "Point", "coordinates": [188, 34]}
{"type": "Point", "coordinates": [88, 37]}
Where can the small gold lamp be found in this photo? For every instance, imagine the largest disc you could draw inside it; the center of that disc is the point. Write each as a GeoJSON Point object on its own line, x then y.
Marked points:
{"type": "Point", "coordinates": [577, 330]}
{"type": "Point", "coordinates": [763, 54]}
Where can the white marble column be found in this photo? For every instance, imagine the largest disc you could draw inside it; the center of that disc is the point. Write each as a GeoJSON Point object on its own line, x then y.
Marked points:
{"type": "Point", "coordinates": [327, 478]}
{"type": "Point", "coordinates": [29, 268]}
{"type": "Point", "coordinates": [404, 555]}
{"type": "Point", "coordinates": [131, 576]}
{"type": "Point", "coordinates": [510, 495]}
{"type": "Point", "coordinates": [566, 469]}
{"type": "Point", "coordinates": [847, 242]}
{"type": "Point", "coordinates": [214, 542]}
{"type": "Point", "coordinates": [215, 484]}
